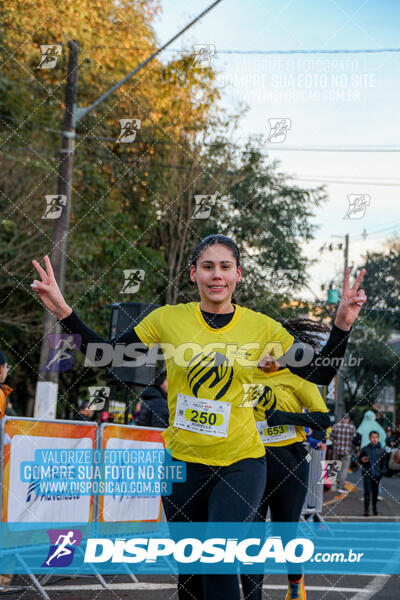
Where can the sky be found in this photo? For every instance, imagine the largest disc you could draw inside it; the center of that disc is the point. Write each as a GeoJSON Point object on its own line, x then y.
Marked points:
{"type": "Point", "coordinates": [327, 100]}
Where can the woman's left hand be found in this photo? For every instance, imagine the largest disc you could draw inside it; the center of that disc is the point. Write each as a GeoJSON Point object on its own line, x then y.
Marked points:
{"type": "Point", "coordinates": [351, 301]}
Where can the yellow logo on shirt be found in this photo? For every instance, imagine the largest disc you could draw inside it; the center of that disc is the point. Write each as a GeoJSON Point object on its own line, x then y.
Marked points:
{"type": "Point", "coordinates": [210, 372]}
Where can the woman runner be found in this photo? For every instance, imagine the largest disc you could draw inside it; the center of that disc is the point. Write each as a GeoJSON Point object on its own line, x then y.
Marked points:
{"type": "Point", "coordinates": [225, 456]}
{"type": "Point", "coordinates": [279, 396]}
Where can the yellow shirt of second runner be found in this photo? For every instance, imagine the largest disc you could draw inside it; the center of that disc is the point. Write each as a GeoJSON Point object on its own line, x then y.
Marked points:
{"type": "Point", "coordinates": [283, 390]}
{"type": "Point", "coordinates": [213, 365]}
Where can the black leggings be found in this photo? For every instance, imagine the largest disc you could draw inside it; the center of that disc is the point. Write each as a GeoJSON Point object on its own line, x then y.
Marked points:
{"type": "Point", "coordinates": [284, 495]}
{"type": "Point", "coordinates": [216, 494]}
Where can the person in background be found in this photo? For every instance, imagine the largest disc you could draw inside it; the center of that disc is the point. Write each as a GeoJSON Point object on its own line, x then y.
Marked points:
{"type": "Point", "coordinates": [390, 443]}
{"type": "Point", "coordinates": [138, 408]}
{"type": "Point", "coordinates": [315, 442]}
{"type": "Point", "coordinates": [368, 424]}
{"type": "Point", "coordinates": [342, 435]}
{"type": "Point", "coordinates": [371, 460]}
{"type": "Point", "coordinates": [154, 410]}
{"type": "Point", "coordinates": [390, 438]}
{"type": "Point", "coordinates": [380, 418]}
{"type": "Point", "coordinates": [5, 390]}
{"type": "Point", "coordinates": [328, 443]}
{"type": "Point", "coordinates": [85, 413]}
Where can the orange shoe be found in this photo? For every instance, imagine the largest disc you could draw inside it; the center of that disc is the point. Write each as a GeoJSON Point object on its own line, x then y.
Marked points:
{"type": "Point", "coordinates": [296, 591]}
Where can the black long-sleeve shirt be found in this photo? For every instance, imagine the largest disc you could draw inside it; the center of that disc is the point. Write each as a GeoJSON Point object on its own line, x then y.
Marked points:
{"type": "Point", "coordinates": [317, 370]}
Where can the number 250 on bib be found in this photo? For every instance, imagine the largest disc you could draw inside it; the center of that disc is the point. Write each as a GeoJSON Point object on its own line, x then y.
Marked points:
{"type": "Point", "coordinates": [202, 416]}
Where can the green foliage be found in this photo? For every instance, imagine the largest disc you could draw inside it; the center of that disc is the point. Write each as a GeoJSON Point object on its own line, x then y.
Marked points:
{"type": "Point", "coordinates": [378, 362]}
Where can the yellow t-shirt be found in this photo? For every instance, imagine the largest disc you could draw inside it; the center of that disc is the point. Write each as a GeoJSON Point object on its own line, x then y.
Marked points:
{"type": "Point", "coordinates": [213, 365]}
{"type": "Point", "coordinates": [286, 391]}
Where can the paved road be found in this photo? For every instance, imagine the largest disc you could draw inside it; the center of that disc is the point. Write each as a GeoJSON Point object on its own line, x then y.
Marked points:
{"type": "Point", "coordinates": [319, 587]}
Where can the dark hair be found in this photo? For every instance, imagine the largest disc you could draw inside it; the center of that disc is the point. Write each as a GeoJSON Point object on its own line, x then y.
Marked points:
{"type": "Point", "coordinates": [306, 330]}
{"type": "Point", "coordinates": [371, 432]}
{"type": "Point", "coordinates": [210, 240]}
{"type": "Point", "coordinates": [3, 358]}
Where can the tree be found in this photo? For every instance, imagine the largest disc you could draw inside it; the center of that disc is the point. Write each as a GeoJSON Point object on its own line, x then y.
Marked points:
{"type": "Point", "coordinates": [381, 282]}
{"type": "Point", "coordinates": [368, 349]}
{"type": "Point", "coordinates": [377, 364]}
{"type": "Point", "coordinates": [255, 204]}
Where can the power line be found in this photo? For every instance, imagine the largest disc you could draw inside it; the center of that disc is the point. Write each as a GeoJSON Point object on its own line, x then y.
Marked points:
{"type": "Point", "coordinates": [238, 51]}
{"type": "Point", "coordinates": [280, 148]}
{"type": "Point", "coordinates": [318, 179]}
{"type": "Point", "coordinates": [378, 233]}
{"type": "Point", "coordinates": [356, 178]}
{"type": "Point", "coordinates": [322, 51]}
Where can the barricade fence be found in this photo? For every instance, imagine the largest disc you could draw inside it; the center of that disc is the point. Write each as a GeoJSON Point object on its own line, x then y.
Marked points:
{"type": "Point", "coordinates": [109, 533]}
{"type": "Point", "coordinates": [30, 501]}
{"type": "Point", "coordinates": [315, 490]}
{"type": "Point", "coordinates": [25, 501]}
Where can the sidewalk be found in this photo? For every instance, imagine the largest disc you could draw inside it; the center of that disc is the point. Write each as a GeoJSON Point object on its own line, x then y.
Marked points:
{"type": "Point", "coordinates": [350, 506]}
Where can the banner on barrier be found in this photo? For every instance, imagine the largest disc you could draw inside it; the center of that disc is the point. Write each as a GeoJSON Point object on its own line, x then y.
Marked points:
{"type": "Point", "coordinates": [22, 501]}
{"type": "Point", "coordinates": [126, 507]}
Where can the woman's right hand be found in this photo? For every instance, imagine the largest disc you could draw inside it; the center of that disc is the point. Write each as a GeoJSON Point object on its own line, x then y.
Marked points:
{"type": "Point", "coordinates": [48, 290]}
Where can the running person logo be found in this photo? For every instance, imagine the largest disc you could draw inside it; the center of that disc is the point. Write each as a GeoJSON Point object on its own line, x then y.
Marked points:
{"type": "Point", "coordinates": [54, 206]}
{"type": "Point", "coordinates": [133, 279]}
{"type": "Point", "coordinates": [330, 471]}
{"type": "Point", "coordinates": [202, 54]}
{"type": "Point", "coordinates": [209, 372]}
{"type": "Point", "coordinates": [283, 280]}
{"type": "Point", "coordinates": [204, 203]}
{"type": "Point", "coordinates": [61, 355]}
{"type": "Point", "coordinates": [62, 547]}
{"type": "Point", "coordinates": [98, 397]}
{"type": "Point", "coordinates": [257, 394]}
{"type": "Point", "coordinates": [358, 204]}
{"type": "Point", "coordinates": [129, 128]}
{"type": "Point", "coordinates": [50, 54]}
{"type": "Point", "coordinates": [278, 129]}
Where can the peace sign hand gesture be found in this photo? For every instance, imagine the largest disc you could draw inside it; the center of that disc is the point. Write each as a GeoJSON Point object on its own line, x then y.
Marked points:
{"type": "Point", "coordinates": [48, 290]}
{"type": "Point", "coordinates": [351, 301]}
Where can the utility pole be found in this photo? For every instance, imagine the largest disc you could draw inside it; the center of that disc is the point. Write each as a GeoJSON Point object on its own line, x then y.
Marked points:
{"type": "Point", "coordinates": [46, 390]}
{"type": "Point", "coordinates": [47, 386]}
{"type": "Point", "coordinates": [346, 253]}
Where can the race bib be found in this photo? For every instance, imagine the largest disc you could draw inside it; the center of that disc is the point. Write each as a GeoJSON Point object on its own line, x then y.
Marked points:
{"type": "Point", "coordinates": [275, 434]}
{"type": "Point", "coordinates": [208, 417]}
